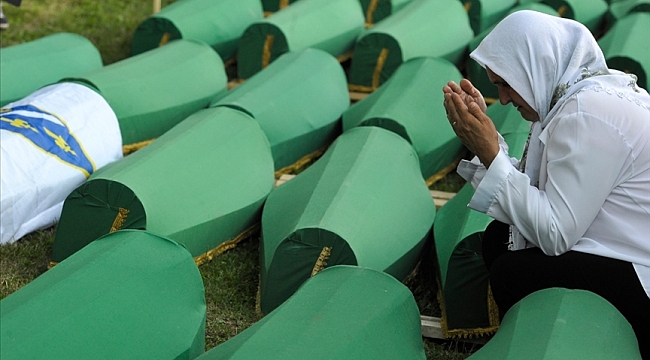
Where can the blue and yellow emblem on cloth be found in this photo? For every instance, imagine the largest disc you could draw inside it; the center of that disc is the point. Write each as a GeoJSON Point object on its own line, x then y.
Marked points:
{"type": "Point", "coordinates": [49, 133]}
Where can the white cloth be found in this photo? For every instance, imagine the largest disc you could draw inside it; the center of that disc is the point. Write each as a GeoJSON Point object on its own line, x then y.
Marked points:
{"type": "Point", "coordinates": [51, 141]}
{"type": "Point", "coordinates": [586, 185]}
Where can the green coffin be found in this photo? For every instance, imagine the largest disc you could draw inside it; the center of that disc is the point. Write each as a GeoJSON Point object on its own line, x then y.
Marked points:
{"type": "Point", "coordinates": [589, 13]}
{"type": "Point", "coordinates": [27, 67]}
{"type": "Point", "coordinates": [201, 184]}
{"type": "Point", "coordinates": [363, 203]}
{"type": "Point", "coordinates": [271, 6]}
{"type": "Point", "coordinates": [468, 309]}
{"type": "Point", "coordinates": [297, 101]}
{"type": "Point", "coordinates": [620, 9]}
{"type": "Point", "coordinates": [217, 23]}
{"type": "Point", "coordinates": [485, 13]}
{"type": "Point", "coordinates": [476, 73]}
{"type": "Point", "coordinates": [559, 323]}
{"type": "Point", "coordinates": [344, 312]}
{"type": "Point", "coordinates": [130, 295]}
{"type": "Point", "coordinates": [377, 10]}
{"type": "Point", "coordinates": [627, 46]}
{"type": "Point", "coordinates": [434, 28]}
{"type": "Point", "coordinates": [409, 105]}
{"type": "Point", "coordinates": [153, 91]}
{"type": "Point", "coordinates": [329, 25]}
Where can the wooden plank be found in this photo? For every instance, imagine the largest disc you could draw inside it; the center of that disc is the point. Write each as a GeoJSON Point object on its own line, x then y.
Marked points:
{"type": "Point", "coordinates": [439, 197]}
{"type": "Point", "coordinates": [356, 96]}
{"type": "Point", "coordinates": [431, 327]}
{"type": "Point", "coordinates": [156, 6]}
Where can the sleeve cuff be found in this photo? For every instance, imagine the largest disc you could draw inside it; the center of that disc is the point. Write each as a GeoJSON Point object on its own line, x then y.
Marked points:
{"type": "Point", "coordinates": [492, 182]}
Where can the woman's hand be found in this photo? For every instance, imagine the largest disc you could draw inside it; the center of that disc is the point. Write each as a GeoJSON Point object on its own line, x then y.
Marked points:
{"type": "Point", "coordinates": [470, 123]}
{"type": "Point", "coordinates": [467, 92]}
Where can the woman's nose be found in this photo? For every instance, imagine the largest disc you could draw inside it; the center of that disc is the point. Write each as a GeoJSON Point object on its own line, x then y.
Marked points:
{"type": "Point", "coordinates": [504, 97]}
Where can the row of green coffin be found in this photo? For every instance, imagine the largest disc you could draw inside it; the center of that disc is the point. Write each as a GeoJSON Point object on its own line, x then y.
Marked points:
{"type": "Point", "coordinates": [149, 93]}
{"type": "Point", "coordinates": [467, 307]}
{"type": "Point", "coordinates": [378, 51]}
{"type": "Point", "coordinates": [549, 324]}
{"type": "Point", "coordinates": [135, 295]}
{"type": "Point", "coordinates": [216, 167]}
{"type": "Point", "coordinates": [624, 44]}
{"type": "Point", "coordinates": [374, 10]}
{"type": "Point", "coordinates": [222, 23]}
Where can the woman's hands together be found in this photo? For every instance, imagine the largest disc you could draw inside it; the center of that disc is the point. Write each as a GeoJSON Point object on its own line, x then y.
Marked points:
{"type": "Point", "coordinates": [466, 108]}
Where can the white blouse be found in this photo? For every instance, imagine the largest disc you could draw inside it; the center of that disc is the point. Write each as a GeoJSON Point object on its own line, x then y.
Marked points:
{"type": "Point", "coordinates": [594, 182]}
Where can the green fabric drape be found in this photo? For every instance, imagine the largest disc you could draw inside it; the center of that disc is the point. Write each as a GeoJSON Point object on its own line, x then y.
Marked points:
{"type": "Point", "coordinates": [344, 312]}
{"type": "Point", "coordinates": [329, 25]}
{"type": "Point", "coordinates": [435, 28]}
{"type": "Point", "coordinates": [626, 46]}
{"type": "Point", "coordinates": [377, 10]}
{"type": "Point", "coordinates": [271, 6]}
{"type": "Point", "coordinates": [409, 105]}
{"type": "Point", "coordinates": [130, 294]}
{"type": "Point", "coordinates": [27, 67]}
{"type": "Point", "coordinates": [153, 91]}
{"type": "Point", "coordinates": [467, 309]}
{"type": "Point", "coordinates": [220, 24]}
{"type": "Point", "coordinates": [620, 9]}
{"type": "Point", "coordinates": [560, 323]}
{"type": "Point", "coordinates": [486, 13]}
{"type": "Point", "coordinates": [589, 13]}
{"type": "Point", "coordinates": [476, 73]}
{"type": "Point", "coordinates": [363, 203]}
{"type": "Point", "coordinates": [200, 184]}
{"type": "Point", "coordinates": [297, 100]}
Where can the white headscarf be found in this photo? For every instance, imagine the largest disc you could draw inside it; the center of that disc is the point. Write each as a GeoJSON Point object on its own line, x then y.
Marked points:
{"type": "Point", "coordinates": [547, 59]}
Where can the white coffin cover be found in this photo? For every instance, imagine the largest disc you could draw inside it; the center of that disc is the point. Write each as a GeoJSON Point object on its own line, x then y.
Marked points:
{"type": "Point", "coordinates": [51, 140]}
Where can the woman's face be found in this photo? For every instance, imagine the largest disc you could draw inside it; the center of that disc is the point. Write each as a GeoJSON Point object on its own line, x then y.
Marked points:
{"type": "Point", "coordinates": [509, 95]}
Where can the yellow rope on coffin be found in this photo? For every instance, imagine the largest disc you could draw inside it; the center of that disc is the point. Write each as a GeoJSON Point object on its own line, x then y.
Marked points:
{"type": "Point", "coordinates": [360, 88]}
{"type": "Point", "coordinates": [442, 173]}
{"type": "Point", "coordinates": [321, 262]}
{"type": "Point", "coordinates": [164, 39]}
{"type": "Point", "coordinates": [493, 319]}
{"type": "Point", "coordinates": [131, 148]}
{"type": "Point", "coordinates": [283, 4]}
{"type": "Point", "coordinates": [381, 60]}
{"type": "Point", "coordinates": [371, 10]}
{"type": "Point", "coordinates": [122, 213]}
{"type": "Point", "coordinates": [227, 245]}
{"type": "Point", "coordinates": [302, 163]}
{"type": "Point", "coordinates": [345, 56]}
{"type": "Point", "coordinates": [266, 50]}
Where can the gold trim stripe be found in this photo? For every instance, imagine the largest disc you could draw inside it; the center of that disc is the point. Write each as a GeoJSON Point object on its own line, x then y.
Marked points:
{"type": "Point", "coordinates": [266, 51]}
{"type": "Point", "coordinates": [369, 13]}
{"type": "Point", "coordinates": [380, 66]}
{"type": "Point", "coordinates": [131, 148]}
{"type": "Point", "coordinates": [227, 245]}
{"type": "Point", "coordinates": [122, 213]}
{"type": "Point", "coordinates": [442, 173]}
{"type": "Point", "coordinates": [301, 163]}
{"type": "Point", "coordinates": [164, 39]}
{"type": "Point", "coordinates": [322, 260]}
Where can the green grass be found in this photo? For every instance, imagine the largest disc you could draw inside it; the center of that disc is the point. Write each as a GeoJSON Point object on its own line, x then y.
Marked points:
{"type": "Point", "coordinates": [230, 279]}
